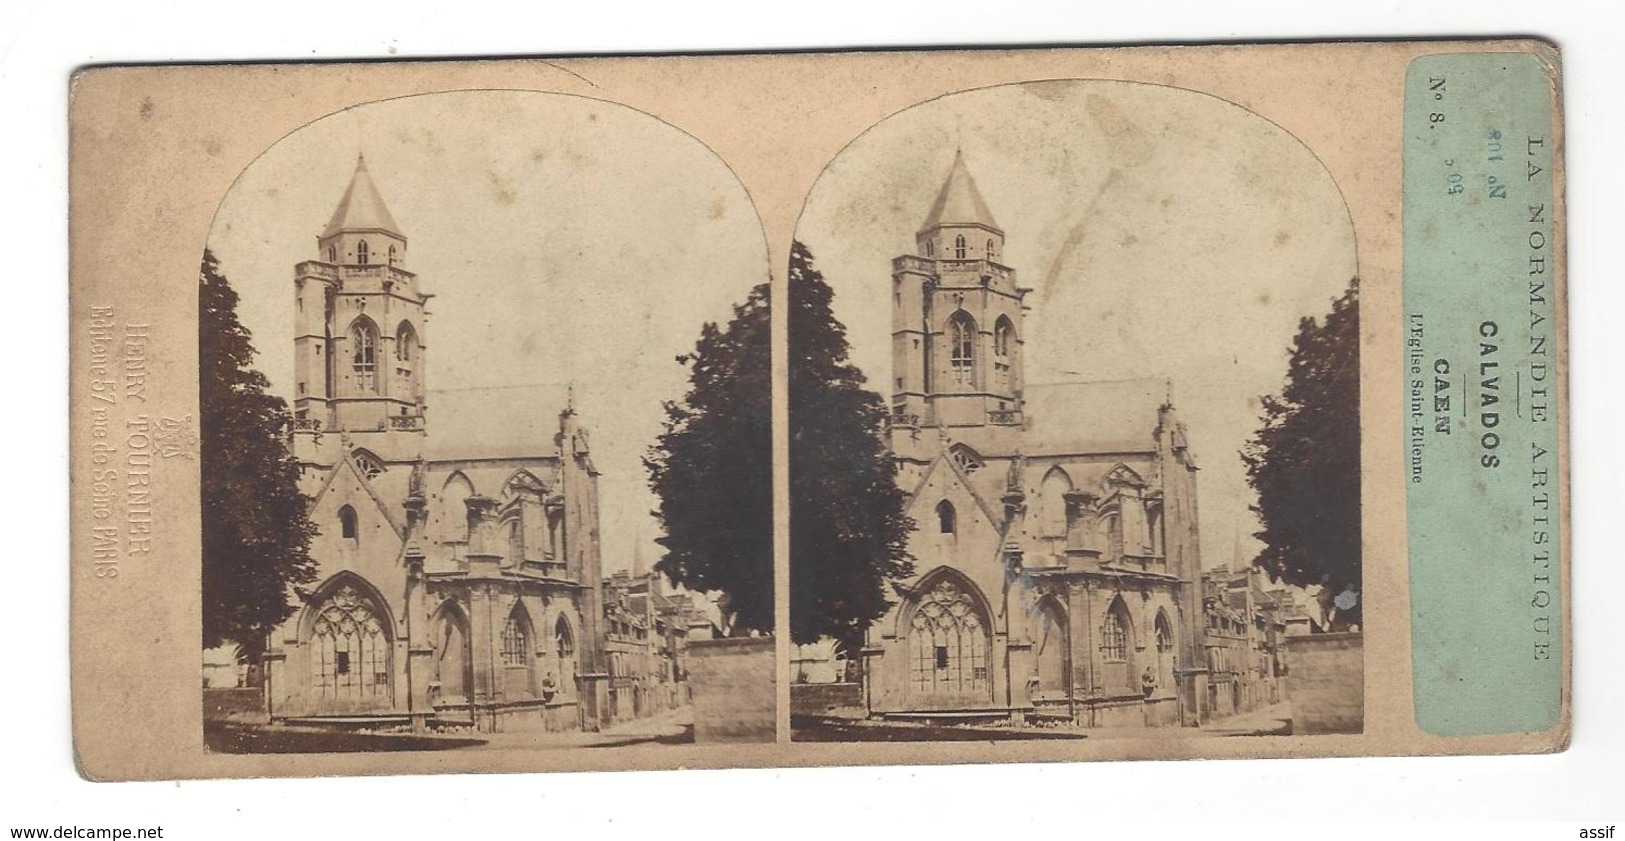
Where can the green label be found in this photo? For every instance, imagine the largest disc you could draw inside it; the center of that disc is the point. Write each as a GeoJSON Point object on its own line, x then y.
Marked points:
{"type": "Point", "coordinates": [1481, 392]}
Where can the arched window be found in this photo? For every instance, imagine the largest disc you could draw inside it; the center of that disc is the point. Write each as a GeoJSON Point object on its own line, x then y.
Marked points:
{"type": "Point", "coordinates": [1111, 537]}
{"type": "Point", "coordinates": [930, 248]}
{"type": "Point", "coordinates": [946, 518]}
{"type": "Point", "coordinates": [966, 458]}
{"type": "Point", "coordinates": [392, 255]}
{"type": "Point", "coordinates": [453, 651]}
{"type": "Point", "coordinates": [959, 247]}
{"type": "Point", "coordinates": [1052, 502]}
{"type": "Point", "coordinates": [949, 642]}
{"type": "Point", "coordinates": [564, 641]}
{"type": "Point", "coordinates": [332, 254]}
{"type": "Point", "coordinates": [370, 465]}
{"type": "Point", "coordinates": [347, 525]}
{"type": "Point", "coordinates": [962, 347]}
{"type": "Point", "coordinates": [406, 340]}
{"type": "Point", "coordinates": [361, 255]}
{"type": "Point", "coordinates": [1114, 634]}
{"type": "Point", "coordinates": [364, 342]}
{"type": "Point", "coordinates": [516, 639]}
{"type": "Point", "coordinates": [992, 251]}
{"type": "Point", "coordinates": [1164, 631]}
{"type": "Point", "coordinates": [349, 650]}
{"type": "Point", "coordinates": [455, 499]}
{"type": "Point", "coordinates": [1004, 335]}
{"type": "Point", "coordinates": [1153, 521]}
{"type": "Point", "coordinates": [516, 541]}
{"type": "Point", "coordinates": [1052, 651]}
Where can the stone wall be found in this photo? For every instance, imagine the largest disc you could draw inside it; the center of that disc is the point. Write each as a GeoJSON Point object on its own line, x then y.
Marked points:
{"type": "Point", "coordinates": [821, 698]}
{"type": "Point", "coordinates": [733, 687]}
{"type": "Point", "coordinates": [1325, 683]}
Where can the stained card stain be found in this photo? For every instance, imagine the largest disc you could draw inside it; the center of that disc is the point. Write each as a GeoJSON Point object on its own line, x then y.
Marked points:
{"type": "Point", "coordinates": [1282, 237]}
{"type": "Point", "coordinates": [503, 191]}
{"type": "Point", "coordinates": [146, 108]}
{"type": "Point", "coordinates": [718, 209]}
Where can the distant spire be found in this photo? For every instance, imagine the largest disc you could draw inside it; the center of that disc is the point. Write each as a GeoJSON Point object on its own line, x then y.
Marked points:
{"type": "Point", "coordinates": [362, 207]}
{"type": "Point", "coordinates": [960, 202]}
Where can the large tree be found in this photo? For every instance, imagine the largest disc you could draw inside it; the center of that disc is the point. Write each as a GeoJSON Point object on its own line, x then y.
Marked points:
{"type": "Point", "coordinates": [848, 529]}
{"type": "Point", "coordinates": [712, 470]}
{"type": "Point", "coordinates": [1304, 462]}
{"type": "Point", "coordinates": [256, 535]}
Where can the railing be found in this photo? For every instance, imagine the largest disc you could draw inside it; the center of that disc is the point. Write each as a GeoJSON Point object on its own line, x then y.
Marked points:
{"type": "Point", "coordinates": [980, 268]}
{"type": "Point", "coordinates": [1004, 417]}
{"type": "Point", "coordinates": [322, 270]}
{"type": "Point", "coordinates": [909, 262]}
{"type": "Point", "coordinates": [408, 422]}
{"type": "Point", "coordinates": [902, 418]}
{"type": "Point", "coordinates": [307, 425]}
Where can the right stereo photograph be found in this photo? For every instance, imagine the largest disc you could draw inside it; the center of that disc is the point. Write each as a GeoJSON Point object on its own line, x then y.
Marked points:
{"type": "Point", "coordinates": [1074, 425]}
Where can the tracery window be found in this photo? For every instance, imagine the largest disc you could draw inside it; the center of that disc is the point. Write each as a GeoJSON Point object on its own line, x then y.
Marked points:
{"type": "Point", "coordinates": [930, 249]}
{"type": "Point", "coordinates": [516, 641]}
{"type": "Point", "coordinates": [364, 338]}
{"type": "Point", "coordinates": [369, 464]}
{"type": "Point", "coordinates": [962, 347]}
{"type": "Point", "coordinates": [966, 458]}
{"type": "Point", "coordinates": [959, 247]}
{"type": "Point", "coordinates": [992, 253]}
{"type": "Point", "coordinates": [948, 639]}
{"type": "Point", "coordinates": [361, 255]}
{"type": "Point", "coordinates": [349, 650]}
{"type": "Point", "coordinates": [1114, 636]}
{"type": "Point", "coordinates": [392, 255]}
{"type": "Point", "coordinates": [332, 254]}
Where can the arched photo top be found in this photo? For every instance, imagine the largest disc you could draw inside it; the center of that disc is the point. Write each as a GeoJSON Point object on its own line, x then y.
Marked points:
{"type": "Point", "coordinates": [573, 247]}
{"type": "Point", "coordinates": [1163, 234]}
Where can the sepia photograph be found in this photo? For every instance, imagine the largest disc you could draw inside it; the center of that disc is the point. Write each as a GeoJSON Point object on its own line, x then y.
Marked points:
{"type": "Point", "coordinates": [463, 360]}
{"type": "Point", "coordinates": [1074, 425]}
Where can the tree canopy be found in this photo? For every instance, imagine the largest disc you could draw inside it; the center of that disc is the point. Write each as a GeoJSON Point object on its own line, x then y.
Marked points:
{"type": "Point", "coordinates": [256, 534]}
{"type": "Point", "coordinates": [848, 529]}
{"type": "Point", "coordinates": [712, 469]}
{"type": "Point", "coordinates": [1304, 462]}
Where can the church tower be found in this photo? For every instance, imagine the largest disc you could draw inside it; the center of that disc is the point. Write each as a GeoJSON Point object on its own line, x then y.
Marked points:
{"type": "Point", "coordinates": [359, 351]}
{"type": "Point", "coordinates": [957, 317]}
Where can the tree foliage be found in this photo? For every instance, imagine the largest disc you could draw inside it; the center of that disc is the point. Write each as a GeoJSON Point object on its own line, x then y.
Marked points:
{"type": "Point", "coordinates": [848, 529]}
{"type": "Point", "coordinates": [1304, 462]}
{"type": "Point", "coordinates": [256, 535]}
{"type": "Point", "coordinates": [712, 470]}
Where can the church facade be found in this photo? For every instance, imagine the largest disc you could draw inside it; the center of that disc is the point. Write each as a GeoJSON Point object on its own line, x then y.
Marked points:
{"type": "Point", "coordinates": [460, 580]}
{"type": "Point", "coordinates": [1056, 542]}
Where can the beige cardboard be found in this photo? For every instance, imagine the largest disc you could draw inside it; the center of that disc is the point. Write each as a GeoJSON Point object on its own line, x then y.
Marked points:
{"type": "Point", "coordinates": [155, 150]}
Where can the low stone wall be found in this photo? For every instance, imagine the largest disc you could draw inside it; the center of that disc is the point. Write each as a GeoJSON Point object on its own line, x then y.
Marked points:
{"type": "Point", "coordinates": [820, 698]}
{"type": "Point", "coordinates": [733, 687]}
{"type": "Point", "coordinates": [1325, 683]}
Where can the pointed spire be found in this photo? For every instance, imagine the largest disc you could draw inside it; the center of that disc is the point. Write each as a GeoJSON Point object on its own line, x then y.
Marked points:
{"type": "Point", "coordinates": [362, 208]}
{"type": "Point", "coordinates": [959, 202]}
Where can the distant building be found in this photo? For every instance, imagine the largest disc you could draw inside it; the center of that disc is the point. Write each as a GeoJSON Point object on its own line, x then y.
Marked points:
{"type": "Point", "coordinates": [1057, 539]}
{"type": "Point", "coordinates": [646, 639]}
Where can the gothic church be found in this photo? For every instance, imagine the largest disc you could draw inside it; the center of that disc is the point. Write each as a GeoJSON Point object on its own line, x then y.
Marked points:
{"type": "Point", "coordinates": [1056, 525]}
{"type": "Point", "coordinates": [459, 580]}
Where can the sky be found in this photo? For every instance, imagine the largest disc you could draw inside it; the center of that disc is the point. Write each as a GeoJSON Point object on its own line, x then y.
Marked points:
{"type": "Point", "coordinates": [569, 244]}
{"type": "Point", "coordinates": [1165, 233]}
